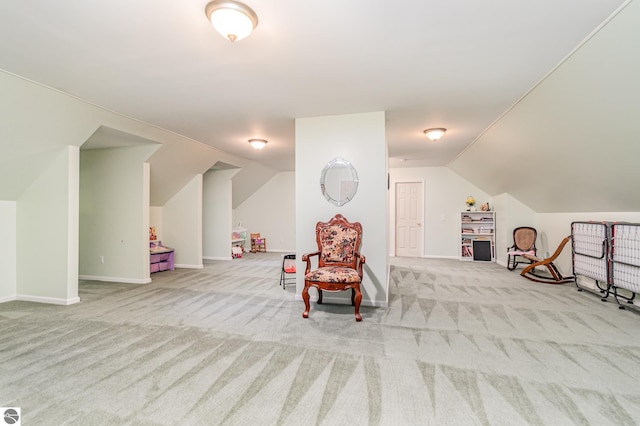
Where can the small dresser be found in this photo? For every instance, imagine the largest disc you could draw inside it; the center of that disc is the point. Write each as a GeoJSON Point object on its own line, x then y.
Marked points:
{"type": "Point", "coordinates": [161, 258]}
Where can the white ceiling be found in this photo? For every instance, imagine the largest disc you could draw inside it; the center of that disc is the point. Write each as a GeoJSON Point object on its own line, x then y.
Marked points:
{"type": "Point", "coordinates": [454, 64]}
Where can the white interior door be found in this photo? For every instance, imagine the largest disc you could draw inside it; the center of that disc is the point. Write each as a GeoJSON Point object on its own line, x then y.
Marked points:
{"type": "Point", "coordinates": [409, 218]}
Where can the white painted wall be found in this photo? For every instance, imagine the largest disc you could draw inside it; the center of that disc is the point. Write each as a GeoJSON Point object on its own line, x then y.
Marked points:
{"type": "Point", "coordinates": [271, 211]}
{"type": "Point", "coordinates": [8, 282]}
{"type": "Point", "coordinates": [30, 151]}
{"type": "Point", "coordinates": [571, 144]}
{"type": "Point", "coordinates": [182, 224]}
{"type": "Point", "coordinates": [510, 214]}
{"type": "Point", "coordinates": [360, 139]}
{"type": "Point", "coordinates": [248, 179]}
{"type": "Point", "coordinates": [47, 246]}
{"type": "Point", "coordinates": [114, 214]}
{"type": "Point", "coordinates": [65, 120]}
{"type": "Point", "coordinates": [217, 214]}
{"type": "Point", "coordinates": [73, 223]}
{"type": "Point", "coordinates": [445, 193]}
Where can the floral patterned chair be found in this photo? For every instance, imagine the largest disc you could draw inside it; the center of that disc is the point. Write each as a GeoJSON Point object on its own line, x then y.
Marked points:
{"type": "Point", "coordinates": [339, 262]}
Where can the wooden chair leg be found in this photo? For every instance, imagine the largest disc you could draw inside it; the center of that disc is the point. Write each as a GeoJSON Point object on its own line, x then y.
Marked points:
{"type": "Point", "coordinates": [357, 300]}
{"type": "Point", "coordinates": [305, 299]}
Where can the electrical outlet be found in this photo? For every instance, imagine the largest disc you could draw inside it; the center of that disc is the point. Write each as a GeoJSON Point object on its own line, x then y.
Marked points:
{"type": "Point", "coordinates": [101, 259]}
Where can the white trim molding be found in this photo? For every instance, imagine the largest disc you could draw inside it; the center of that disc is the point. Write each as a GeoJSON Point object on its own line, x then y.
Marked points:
{"type": "Point", "coordinates": [216, 258]}
{"type": "Point", "coordinates": [49, 300]}
{"type": "Point", "coordinates": [11, 298]}
{"type": "Point", "coordinates": [115, 279]}
{"type": "Point", "coordinates": [187, 266]}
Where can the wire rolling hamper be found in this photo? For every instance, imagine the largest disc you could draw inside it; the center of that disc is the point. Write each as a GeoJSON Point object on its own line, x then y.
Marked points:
{"type": "Point", "coordinates": [589, 254]}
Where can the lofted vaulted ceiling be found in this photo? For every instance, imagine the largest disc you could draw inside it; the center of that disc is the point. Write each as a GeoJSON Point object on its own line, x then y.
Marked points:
{"type": "Point", "coordinates": [571, 144]}
{"type": "Point", "coordinates": [454, 64]}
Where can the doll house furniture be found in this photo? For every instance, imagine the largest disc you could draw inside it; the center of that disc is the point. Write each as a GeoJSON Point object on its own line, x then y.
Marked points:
{"type": "Point", "coordinates": [238, 238]}
{"type": "Point", "coordinates": [161, 258]}
{"type": "Point", "coordinates": [339, 263]}
{"type": "Point", "coordinates": [258, 243]}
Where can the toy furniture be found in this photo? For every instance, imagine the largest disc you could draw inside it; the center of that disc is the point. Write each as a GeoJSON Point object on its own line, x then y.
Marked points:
{"type": "Point", "coordinates": [238, 238]}
{"type": "Point", "coordinates": [258, 244]}
{"type": "Point", "coordinates": [161, 258]}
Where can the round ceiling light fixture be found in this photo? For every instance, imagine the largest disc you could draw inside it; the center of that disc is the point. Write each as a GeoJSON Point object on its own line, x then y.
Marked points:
{"type": "Point", "coordinates": [435, 134]}
{"type": "Point", "coordinates": [257, 143]}
{"type": "Point", "coordinates": [232, 19]}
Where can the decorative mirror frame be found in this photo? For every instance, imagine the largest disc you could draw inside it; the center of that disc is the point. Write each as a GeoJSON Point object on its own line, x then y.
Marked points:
{"type": "Point", "coordinates": [335, 188]}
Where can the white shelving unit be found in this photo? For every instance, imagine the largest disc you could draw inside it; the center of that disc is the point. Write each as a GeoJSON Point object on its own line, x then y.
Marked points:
{"type": "Point", "coordinates": [478, 236]}
{"type": "Point", "coordinates": [239, 237]}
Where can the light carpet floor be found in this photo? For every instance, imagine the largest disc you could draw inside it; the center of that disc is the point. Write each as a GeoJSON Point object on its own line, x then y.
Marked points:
{"type": "Point", "coordinates": [460, 344]}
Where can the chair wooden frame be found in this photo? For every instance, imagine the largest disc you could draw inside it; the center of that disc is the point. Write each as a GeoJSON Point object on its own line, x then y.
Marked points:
{"type": "Point", "coordinates": [334, 274]}
{"type": "Point", "coordinates": [258, 243]}
{"type": "Point", "coordinates": [524, 242]}
{"type": "Point", "coordinates": [554, 277]}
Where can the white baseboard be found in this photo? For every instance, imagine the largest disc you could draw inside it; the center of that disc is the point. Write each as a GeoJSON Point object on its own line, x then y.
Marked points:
{"type": "Point", "coordinates": [187, 266]}
{"type": "Point", "coordinates": [11, 298]}
{"type": "Point", "coordinates": [216, 258]}
{"type": "Point", "coordinates": [115, 279]}
{"type": "Point", "coordinates": [49, 300]}
{"type": "Point", "coordinates": [431, 256]}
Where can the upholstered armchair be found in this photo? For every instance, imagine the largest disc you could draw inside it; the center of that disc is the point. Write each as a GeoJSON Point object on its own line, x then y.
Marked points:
{"type": "Point", "coordinates": [339, 263]}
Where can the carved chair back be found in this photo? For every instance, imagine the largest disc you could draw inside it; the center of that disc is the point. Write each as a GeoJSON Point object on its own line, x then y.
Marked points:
{"type": "Point", "coordinates": [524, 238]}
{"type": "Point", "coordinates": [338, 242]}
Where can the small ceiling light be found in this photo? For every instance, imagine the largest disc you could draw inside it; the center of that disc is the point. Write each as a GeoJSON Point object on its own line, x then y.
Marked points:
{"type": "Point", "coordinates": [435, 134]}
{"type": "Point", "coordinates": [232, 19]}
{"type": "Point", "coordinates": [257, 143]}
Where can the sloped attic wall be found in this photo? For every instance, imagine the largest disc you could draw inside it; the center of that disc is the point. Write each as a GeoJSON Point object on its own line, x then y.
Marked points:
{"type": "Point", "coordinates": [39, 121]}
{"type": "Point", "coordinates": [572, 143]}
{"type": "Point", "coordinates": [248, 180]}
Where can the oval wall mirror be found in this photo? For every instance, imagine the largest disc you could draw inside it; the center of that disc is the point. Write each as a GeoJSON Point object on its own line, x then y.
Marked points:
{"type": "Point", "coordinates": [339, 181]}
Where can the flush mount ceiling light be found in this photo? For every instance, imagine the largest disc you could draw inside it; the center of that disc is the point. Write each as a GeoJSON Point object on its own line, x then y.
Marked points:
{"type": "Point", "coordinates": [435, 134]}
{"type": "Point", "coordinates": [257, 143]}
{"type": "Point", "coordinates": [232, 19]}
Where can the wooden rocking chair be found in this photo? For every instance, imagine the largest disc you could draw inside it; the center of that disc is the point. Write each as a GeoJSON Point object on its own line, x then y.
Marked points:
{"type": "Point", "coordinates": [553, 276]}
